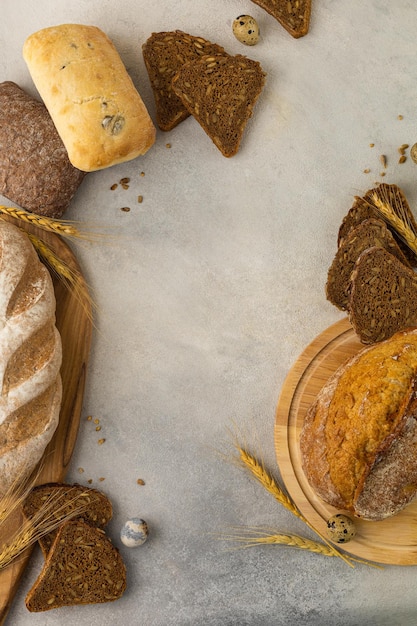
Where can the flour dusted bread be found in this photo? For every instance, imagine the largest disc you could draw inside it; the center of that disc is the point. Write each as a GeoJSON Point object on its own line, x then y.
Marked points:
{"type": "Point", "coordinates": [30, 357]}
{"type": "Point", "coordinates": [100, 116]}
{"type": "Point", "coordinates": [359, 439]}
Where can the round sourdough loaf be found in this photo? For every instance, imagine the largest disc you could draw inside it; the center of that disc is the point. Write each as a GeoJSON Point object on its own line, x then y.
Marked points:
{"type": "Point", "coordinates": [30, 357]}
{"type": "Point", "coordinates": [359, 439]}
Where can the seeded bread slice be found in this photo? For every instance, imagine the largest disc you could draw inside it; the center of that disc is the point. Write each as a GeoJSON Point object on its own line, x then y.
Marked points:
{"type": "Point", "coordinates": [164, 53]}
{"type": "Point", "coordinates": [369, 233]}
{"type": "Point", "coordinates": [383, 296]}
{"type": "Point", "coordinates": [82, 567]}
{"type": "Point", "coordinates": [362, 209]}
{"type": "Point", "coordinates": [293, 15]}
{"type": "Point", "coordinates": [98, 511]}
{"type": "Point", "coordinates": [220, 91]}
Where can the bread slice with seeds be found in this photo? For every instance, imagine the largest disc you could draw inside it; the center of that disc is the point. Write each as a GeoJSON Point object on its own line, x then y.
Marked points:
{"type": "Point", "coordinates": [82, 567]}
{"type": "Point", "coordinates": [369, 233]}
{"type": "Point", "coordinates": [98, 508]}
{"type": "Point", "coordinates": [293, 15]}
{"type": "Point", "coordinates": [220, 91]}
{"type": "Point", "coordinates": [164, 53]}
{"type": "Point", "coordinates": [383, 296]}
{"type": "Point", "coordinates": [364, 208]}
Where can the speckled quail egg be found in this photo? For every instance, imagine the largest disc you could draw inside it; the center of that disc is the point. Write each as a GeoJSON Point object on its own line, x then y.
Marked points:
{"type": "Point", "coordinates": [246, 30]}
{"type": "Point", "coordinates": [341, 528]}
{"type": "Point", "coordinates": [134, 532]}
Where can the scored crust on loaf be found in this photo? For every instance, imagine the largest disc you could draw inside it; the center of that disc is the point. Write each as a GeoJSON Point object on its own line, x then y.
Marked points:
{"type": "Point", "coordinates": [164, 53]}
{"type": "Point", "coordinates": [98, 508]}
{"type": "Point", "coordinates": [30, 357]}
{"type": "Point", "coordinates": [35, 172]}
{"type": "Point", "coordinates": [82, 567]}
{"type": "Point", "coordinates": [383, 296]}
{"type": "Point", "coordinates": [369, 233]}
{"type": "Point", "coordinates": [293, 15]}
{"type": "Point", "coordinates": [220, 91]}
{"type": "Point", "coordinates": [358, 414]}
{"type": "Point", "coordinates": [363, 209]}
{"type": "Point", "coordinates": [99, 114]}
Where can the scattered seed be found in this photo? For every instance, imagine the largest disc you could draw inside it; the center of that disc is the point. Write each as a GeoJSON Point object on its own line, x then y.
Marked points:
{"type": "Point", "coordinates": [101, 441]}
{"type": "Point", "coordinates": [140, 199]}
{"type": "Point", "coordinates": [371, 145]}
{"type": "Point", "coordinates": [124, 181]}
{"type": "Point", "coordinates": [101, 479]}
{"type": "Point", "coordinates": [142, 173]}
{"type": "Point", "coordinates": [402, 159]}
{"type": "Point", "coordinates": [382, 174]}
{"type": "Point", "coordinates": [126, 209]}
{"type": "Point", "coordinates": [90, 480]}
{"type": "Point", "coordinates": [89, 418]}
{"type": "Point", "coordinates": [140, 481]}
{"type": "Point", "coordinates": [98, 428]}
{"type": "Point", "coordinates": [80, 470]}
{"type": "Point", "coordinates": [383, 160]}
{"type": "Point", "coordinates": [96, 421]}
{"type": "Point", "coordinates": [400, 117]}
{"type": "Point", "coordinates": [167, 145]}
{"type": "Point", "coordinates": [366, 171]}
{"type": "Point", "coordinates": [114, 186]}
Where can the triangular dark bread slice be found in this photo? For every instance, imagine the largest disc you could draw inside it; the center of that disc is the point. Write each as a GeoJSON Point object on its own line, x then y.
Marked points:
{"type": "Point", "coordinates": [82, 567]}
{"type": "Point", "coordinates": [383, 296]}
{"type": "Point", "coordinates": [369, 233]}
{"type": "Point", "coordinates": [362, 209]}
{"type": "Point", "coordinates": [98, 508]}
{"type": "Point", "coordinates": [164, 53]}
{"type": "Point", "coordinates": [220, 92]}
{"type": "Point", "coordinates": [293, 15]}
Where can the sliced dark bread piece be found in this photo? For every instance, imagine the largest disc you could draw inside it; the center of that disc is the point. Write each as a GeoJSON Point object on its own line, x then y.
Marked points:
{"type": "Point", "coordinates": [383, 296]}
{"type": "Point", "coordinates": [293, 15]}
{"type": "Point", "coordinates": [362, 209]}
{"type": "Point", "coordinates": [369, 233]}
{"type": "Point", "coordinates": [82, 567]}
{"type": "Point", "coordinates": [220, 91]}
{"type": "Point", "coordinates": [98, 508]}
{"type": "Point", "coordinates": [164, 53]}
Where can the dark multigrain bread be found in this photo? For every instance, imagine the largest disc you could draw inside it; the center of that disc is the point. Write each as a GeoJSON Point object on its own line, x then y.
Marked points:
{"type": "Point", "coordinates": [82, 567]}
{"type": "Point", "coordinates": [220, 91]}
{"type": "Point", "coordinates": [35, 172]}
{"type": "Point", "coordinates": [359, 438]}
{"type": "Point", "coordinates": [293, 15]}
{"type": "Point", "coordinates": [164, 53]}
{"type": "Point", "coordinates": [97, 508]}
{"type": "Point", "coordinates": [383, 296]}
{"type": "Point", "coordinates": [363, 208]}
{"type": "Point", "coordinates": [369, 233]}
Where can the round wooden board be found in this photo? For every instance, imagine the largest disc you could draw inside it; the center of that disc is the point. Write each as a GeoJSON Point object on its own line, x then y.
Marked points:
{"type": "Point", "coordinates": [392, 541]}
{"type": "Point", "coordinates": [73, 320]}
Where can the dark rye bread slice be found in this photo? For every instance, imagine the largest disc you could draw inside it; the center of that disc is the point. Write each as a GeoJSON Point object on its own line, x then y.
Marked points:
{"type": "Point", "coordinates": [220, 91]}
{"type": "Point", "coordinates": [369, 233]}
{"type": "Point", "coordinates": [164, 53]}
{"type": "Point", "coordinates": [98, 509]}
{"type": "Point", "coordinates": [383, 296]}
{"type": "Point", "coordinates": [293, 15]}
{"type": "Point", "coordinates": [362, 209]}
{"type": "Point", "coordinates": [82, 567]}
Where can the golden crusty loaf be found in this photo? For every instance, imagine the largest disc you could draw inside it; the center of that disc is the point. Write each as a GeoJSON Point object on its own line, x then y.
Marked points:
{"type": "Point", "coordinates": [82, 567]}
{"type": "Point", "coordinates": [99, 114]}
{"type": "Point", "coordinates": [30, 357]}
{"type": "Point", "coordinates": [359, 439]}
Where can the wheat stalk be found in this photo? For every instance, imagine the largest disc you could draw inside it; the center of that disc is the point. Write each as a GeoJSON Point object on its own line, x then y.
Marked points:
{"type": "Point", "coordinates": [259, 472]}
{"type": "Point", "coordinates": [65, 272]}
{"type": "Point", "coordinates": [41, 221]}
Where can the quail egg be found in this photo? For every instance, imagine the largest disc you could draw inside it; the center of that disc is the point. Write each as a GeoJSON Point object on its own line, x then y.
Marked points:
{"type": "Point", "coordinates": [341, 528]}
{"type": "Point", "coordinates": [134, 532]}
{"type": "Point", "coordinates": [246, 30]}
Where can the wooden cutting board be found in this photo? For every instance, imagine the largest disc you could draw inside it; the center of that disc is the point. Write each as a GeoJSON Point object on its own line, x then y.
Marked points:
{"type": "Point", "coordinates": [391, 541]}
{"type": "Point", "coordinates": [73, 320]}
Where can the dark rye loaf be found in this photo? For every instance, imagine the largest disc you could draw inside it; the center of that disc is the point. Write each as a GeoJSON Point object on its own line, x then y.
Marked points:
{"type": "Point", "coordinates": [164, 53]}
{"type": "Point", "coordinates": [220, 91]}
{"type": "Point", "coordinates": [369, 233]}
{"type": "Point", "coordinates": [383, 296]}
{"type": "Point", "coordinates": [362, 209]}
{"type": "Point", "coordinates": [35, 171]}
{"type": "Point", "coordinates": [82, 567]}
{"type": "Point", "coordinates": [98, 508]}
{"type": "Point", "coordinates": [293, 15]}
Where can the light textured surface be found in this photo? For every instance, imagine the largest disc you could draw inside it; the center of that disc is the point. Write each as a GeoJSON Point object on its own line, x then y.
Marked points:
{"type": "Point", "coordinates": [207, 292]}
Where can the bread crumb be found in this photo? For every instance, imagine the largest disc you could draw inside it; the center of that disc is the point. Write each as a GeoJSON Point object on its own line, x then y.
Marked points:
{"type": "Point", "coordinates": [81, 470]}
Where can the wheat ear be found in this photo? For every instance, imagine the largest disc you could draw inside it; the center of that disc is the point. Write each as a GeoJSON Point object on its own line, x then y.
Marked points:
{"type": "Point", "coordinates": [41, 221]}
{"type": "Point", "coordinates": [270, 484]}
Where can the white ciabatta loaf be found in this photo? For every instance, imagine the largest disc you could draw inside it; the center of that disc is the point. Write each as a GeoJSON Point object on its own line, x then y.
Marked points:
{"type": "Point", "coordinates": [97, 111]}
{"type": "Point", "coordinates": [30, 357]}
